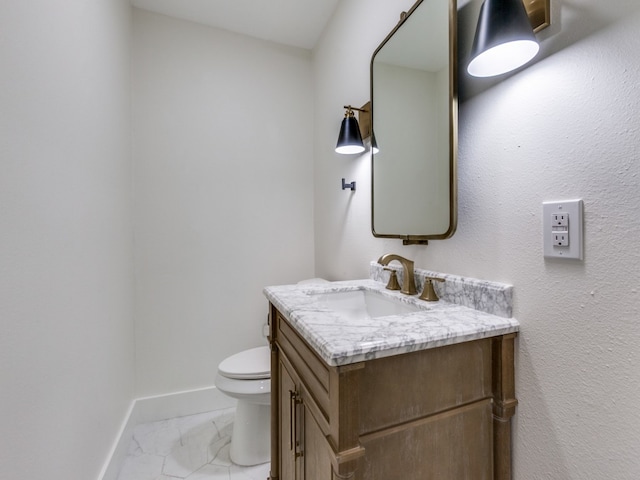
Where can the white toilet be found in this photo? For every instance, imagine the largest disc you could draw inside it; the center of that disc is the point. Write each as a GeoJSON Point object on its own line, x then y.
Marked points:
{"type": "Point", "coordinates": [246, 376]}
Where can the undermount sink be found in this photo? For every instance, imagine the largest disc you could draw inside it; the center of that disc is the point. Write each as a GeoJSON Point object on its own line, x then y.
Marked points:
{"type": "Point", "coordinates": [363, 304]}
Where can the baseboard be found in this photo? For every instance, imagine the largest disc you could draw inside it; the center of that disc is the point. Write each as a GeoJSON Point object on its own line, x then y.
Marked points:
{"type": "Point", "coordinates": [156, 408]}
{"type": "Point", "coordinates": [120, 447]}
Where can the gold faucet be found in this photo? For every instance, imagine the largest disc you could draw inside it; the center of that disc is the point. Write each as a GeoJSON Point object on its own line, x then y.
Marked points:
{"type": "Point", "coordinates": [408, 282]}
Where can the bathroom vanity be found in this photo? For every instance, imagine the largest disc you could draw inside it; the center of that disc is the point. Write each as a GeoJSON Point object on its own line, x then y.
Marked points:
{"type": "Point", "coordinates": [414, 390]}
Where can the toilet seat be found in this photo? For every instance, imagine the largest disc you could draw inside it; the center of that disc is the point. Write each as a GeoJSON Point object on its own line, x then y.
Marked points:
{"type": "Point", "coordinates": [252, 364]}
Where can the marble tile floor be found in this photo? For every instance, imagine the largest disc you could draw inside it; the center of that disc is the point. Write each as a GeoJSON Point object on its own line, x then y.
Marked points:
{"type": "Point", "coordinates": [195, 447]}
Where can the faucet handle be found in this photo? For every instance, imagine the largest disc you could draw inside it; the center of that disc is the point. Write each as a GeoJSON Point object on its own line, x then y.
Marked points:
{"type": "Point", "coordinates": [393, 279]}
{"type": "Point", "coordinates": [428, 292]}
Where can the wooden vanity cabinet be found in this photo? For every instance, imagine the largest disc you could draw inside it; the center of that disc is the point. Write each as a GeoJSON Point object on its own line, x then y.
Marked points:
{"type": "Point", "coordinates": [442, 413]}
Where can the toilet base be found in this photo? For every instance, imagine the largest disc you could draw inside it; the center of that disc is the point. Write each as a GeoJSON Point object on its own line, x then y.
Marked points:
{"type": "Point", "coordinates": [251, 436]}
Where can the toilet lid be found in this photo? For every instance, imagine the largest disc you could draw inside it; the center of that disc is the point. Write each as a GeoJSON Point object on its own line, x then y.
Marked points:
{"type": "Point", "coordinates": [248, 364]}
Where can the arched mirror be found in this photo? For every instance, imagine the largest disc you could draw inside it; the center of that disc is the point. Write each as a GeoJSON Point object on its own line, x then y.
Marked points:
{"type": "Point", "coordinates": [415, 122]}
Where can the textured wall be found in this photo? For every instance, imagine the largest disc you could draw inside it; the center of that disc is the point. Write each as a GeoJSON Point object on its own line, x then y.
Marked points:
{"type": "Point", "coordinates": [222, 128]}
{"type": "Point", "coordinates": [566, 127]}
{"type": "Point", "coordinates": [66, 267]}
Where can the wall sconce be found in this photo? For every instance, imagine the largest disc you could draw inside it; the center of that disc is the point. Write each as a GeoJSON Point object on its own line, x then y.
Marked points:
{"type": "Point", "coordinates": [349, 139]}
{"type": "Point", "coordinates": [352, 133]}
{"type": "Point", "coordinates": [505, 37]}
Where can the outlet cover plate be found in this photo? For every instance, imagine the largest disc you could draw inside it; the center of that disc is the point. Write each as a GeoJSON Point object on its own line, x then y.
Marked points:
{"type": "Point", "coordinates": [574, 229]}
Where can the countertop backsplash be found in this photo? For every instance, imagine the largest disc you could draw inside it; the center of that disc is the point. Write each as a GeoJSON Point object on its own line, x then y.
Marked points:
{"type": "Point", "coordinates": [489, 297]}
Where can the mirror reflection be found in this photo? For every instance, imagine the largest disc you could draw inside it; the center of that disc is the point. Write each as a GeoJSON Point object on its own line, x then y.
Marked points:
{"type": "Point", "coordinates": [414, 118]}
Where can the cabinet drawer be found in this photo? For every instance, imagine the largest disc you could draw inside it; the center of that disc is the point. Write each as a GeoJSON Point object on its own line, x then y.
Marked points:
{"type": "Point", "coordinates": [313, 371]}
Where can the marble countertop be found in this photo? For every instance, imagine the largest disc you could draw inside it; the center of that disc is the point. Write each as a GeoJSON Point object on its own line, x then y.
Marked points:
{"type": "Point", "coordinates": [341, 341]}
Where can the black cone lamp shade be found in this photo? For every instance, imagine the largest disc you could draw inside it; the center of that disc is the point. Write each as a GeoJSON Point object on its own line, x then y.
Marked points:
{"type": "Point", "coordinates": [349, 140]}
{"type": "Point", "coordinates": [374, 144]}
{"type": "Point", "coordinates": [504, 39]}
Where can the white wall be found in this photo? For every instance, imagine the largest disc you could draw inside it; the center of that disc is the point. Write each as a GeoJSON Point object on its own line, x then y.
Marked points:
{"type": "Point", "coordinates": [344, 244]}
{"type": "Point", "coordinates": [66, 276]}
{"type": "Point", "coordinates": [567, 127]}
{"type": "Point", "coordinates": [223, 127]}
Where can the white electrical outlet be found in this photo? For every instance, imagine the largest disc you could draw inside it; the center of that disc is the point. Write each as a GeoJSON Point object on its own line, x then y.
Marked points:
{"type": "Point", "coordinates": [560, 239]}
{"type": "Point", "coordinates": [560, 219]}
{"type": "Point", "coordinates": [562, 229]}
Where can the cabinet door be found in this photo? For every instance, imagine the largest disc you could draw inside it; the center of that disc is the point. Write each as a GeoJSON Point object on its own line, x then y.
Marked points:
{"type": "Point", "coordinates": [304, 452]}
{"type": "Point", "coordinates": [316, 460]}
{"type": "Point", "coordinates": [287, 390]}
